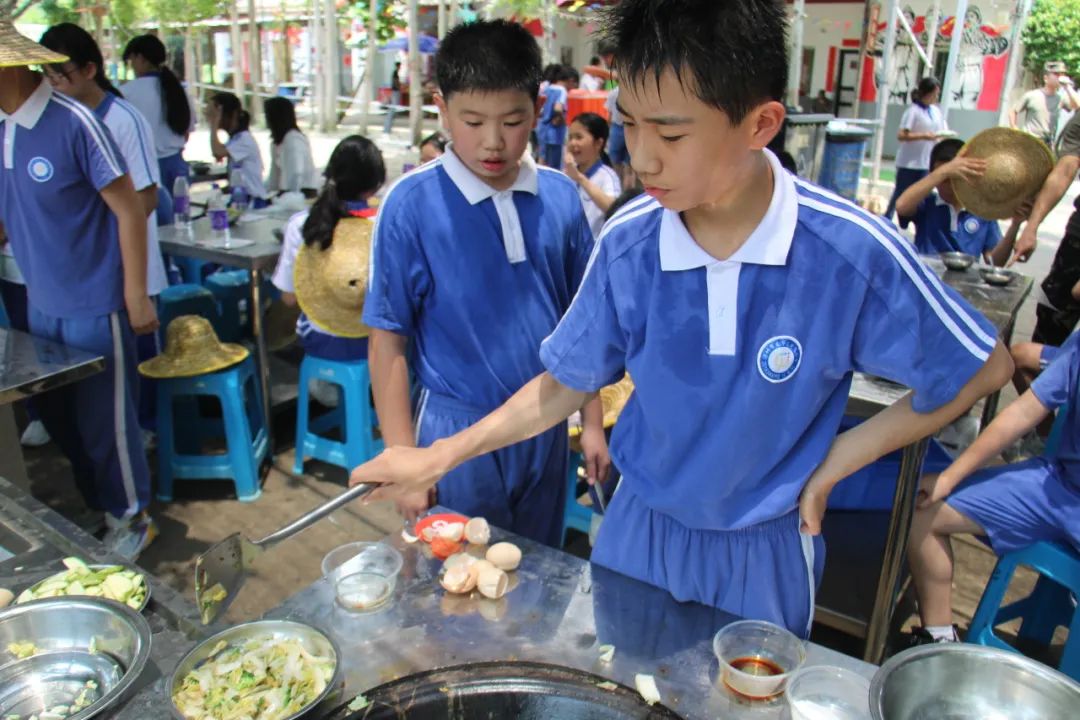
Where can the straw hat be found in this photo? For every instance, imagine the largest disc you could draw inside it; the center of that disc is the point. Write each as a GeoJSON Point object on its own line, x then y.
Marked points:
{"type": "Point", "coordinates": [16, 49]}
{"type": "Point", "coordinates": [1017, 166]}
{"type": "Point", "coordinates": [192, 348]}
{"type": "Point", "coordinates": [613, 399]}
{"type": "Point", "coordinates": [330, 284]}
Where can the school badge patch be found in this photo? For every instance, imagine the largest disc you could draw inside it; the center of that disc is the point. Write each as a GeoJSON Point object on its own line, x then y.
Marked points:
{"type": "Point", "coordinates": [40, 169]}
{"type": "Point", "coordinates": [779, 358]}
{"type": "Point", "coordinates": [971, 225]}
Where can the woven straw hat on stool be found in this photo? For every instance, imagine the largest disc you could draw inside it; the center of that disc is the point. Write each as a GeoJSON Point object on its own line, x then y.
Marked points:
{"type": "Point", "coordinates": [192, 348]}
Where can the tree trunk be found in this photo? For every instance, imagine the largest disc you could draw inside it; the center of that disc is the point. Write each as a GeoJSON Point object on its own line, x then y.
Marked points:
{"type": "Point", "coordinates": [255, 60]}
{"type": "Point", "coordinates": [237, 49]}
{"type": "Point", "coordinates": [416, 91]}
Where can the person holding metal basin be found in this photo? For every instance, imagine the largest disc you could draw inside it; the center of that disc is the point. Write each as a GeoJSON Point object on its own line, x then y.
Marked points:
{"type": "Point", "coordinates": [741, 299]}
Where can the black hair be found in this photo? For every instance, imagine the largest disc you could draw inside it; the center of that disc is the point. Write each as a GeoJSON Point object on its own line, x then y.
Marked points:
{"type": "Point", "coordinates": [624, 197]}
{"type": "Point", "coordinates": [355, 169]}
{"type": "Point", "coordinates": [550, 73]}
{"type": "Point", "coordinates": [566, 72]}
{"type": "Point", "coordinates": [598, 128]}
{"type": "Point", "coordinates": [81, 48]}
{"type": "Point", "coordinates": [594, 60]}
{"type": "Point", "coordinates": [945, 151]}
{"type": "Point", "coordinates": [174, 101]}
{"type": "Point", "coordinates": [488, 56]}
{"type": "Point", "coordinates": [731, 54]}
{"type": "Point", "coordinates": [280, 117]}
{"type": "Point", "coordinates": [232, 109]}
{"type": "Point", "coordinates": [925, 87]}
{"type": "Point", "coordinates": [435, 139]}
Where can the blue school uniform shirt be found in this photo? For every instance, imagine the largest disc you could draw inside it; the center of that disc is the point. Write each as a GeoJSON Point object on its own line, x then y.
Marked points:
{"type": "Point", "coordinates": [939, 227]}
{"type": "Point", "coordinates": [477, 278]}
{"type": "Point", "coordinates": [57, 158]}
{"type": "Point", "coordinates": [547, 133]}
{"type": "Point", "coordinates": [1057, 387]}
{"type": "Point", "coordinates": [742, 367]}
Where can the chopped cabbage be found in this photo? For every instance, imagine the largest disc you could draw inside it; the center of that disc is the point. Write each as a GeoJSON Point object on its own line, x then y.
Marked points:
{"type": "Point", "coordinates": [265, 678]}
{"type": "Point", "coordinates": [113, 582]}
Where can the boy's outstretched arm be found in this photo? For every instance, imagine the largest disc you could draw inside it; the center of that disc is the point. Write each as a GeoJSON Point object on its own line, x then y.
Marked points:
{"type": "Point", "coordinates": [891, 429]}
{"type": "Point", "coordinates": [959, 167]}
{"type": "Point", "coordinates": [537, 406]}
{"type": "Point", "coordinates": [1015, 421]}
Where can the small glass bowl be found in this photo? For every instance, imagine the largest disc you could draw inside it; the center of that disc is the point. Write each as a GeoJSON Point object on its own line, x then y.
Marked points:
{"type": "Point", "coordinates": [825, 691]}
{"type": "Point", "coordinates": [756, 658]}
{"type": "Point", "coordinates": [364, 591]}
{"type": "Point", "coordinates": [362, 557]}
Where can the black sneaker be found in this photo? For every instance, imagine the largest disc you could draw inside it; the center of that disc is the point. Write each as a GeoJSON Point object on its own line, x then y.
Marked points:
{"type": "Point", "coordinates": [920, 636]}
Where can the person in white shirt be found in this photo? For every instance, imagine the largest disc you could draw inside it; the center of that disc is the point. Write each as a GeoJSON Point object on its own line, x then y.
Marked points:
{"type": "Point", "coordinates": [921, 126]}
{"type": "Point", "coordinates": [291, 166]}
{"type": "Point", "coordinates": [224, 112]}
{"type": "Point", "coordinates": [588, 165]}
{"type": "Point", "coordinates": [590, 81]}
{"type": "Point", "coordinates": [157, 93]}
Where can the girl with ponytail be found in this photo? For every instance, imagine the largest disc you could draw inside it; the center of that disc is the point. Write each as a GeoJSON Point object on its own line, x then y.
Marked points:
{"type": "Point", "coordinates": [224, 112]}
{"type": "Point", "coordinates": [83, 79]}
{"type": "Point", "coordinates": [159, 96]}
{"type": "Point", "coordinates": [588, 165]}
{"type": "Point", "coordinates": [353, 175]}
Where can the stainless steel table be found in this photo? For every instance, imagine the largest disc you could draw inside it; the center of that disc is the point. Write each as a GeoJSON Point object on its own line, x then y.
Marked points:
{"type": "Point", "coordinates": [30, 365]}
{"type": "Point", "coordinates": [257, 257]}
{"type": "Point", "coordinates": [560, 611]}
{"type": "Point", "coordinates": [869, 396]}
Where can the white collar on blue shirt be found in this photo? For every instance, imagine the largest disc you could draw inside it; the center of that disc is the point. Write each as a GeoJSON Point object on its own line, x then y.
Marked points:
{"type": "Point", "coordinates": [476, 190]}
{"type": "Point", "coordinates": [767, 245]}
{"type": "Point", "coordinates": [954, 214]}
{"type": "Point", "coordinates": [30, 111]}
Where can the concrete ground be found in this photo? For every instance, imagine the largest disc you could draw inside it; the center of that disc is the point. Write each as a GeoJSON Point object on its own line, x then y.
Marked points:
{"type": "Point", "coordinates": [205, 512]}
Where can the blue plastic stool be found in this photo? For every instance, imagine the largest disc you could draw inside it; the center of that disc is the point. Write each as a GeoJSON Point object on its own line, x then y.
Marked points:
{"type": "Point", "coordinates": [230, 288]}
{"type": "Point", "coordinates": [186, 299]}
{"type": "Point", "coordinates": [246, 440]}
{"type": "Point", "coordinates": [575, 515]}
{"type": "Point", "coordinates": [193, 270]}
{"type": "Point", "coordinates": [1051, 603]}
{"type": "Point", "coordinates": [354, 417]}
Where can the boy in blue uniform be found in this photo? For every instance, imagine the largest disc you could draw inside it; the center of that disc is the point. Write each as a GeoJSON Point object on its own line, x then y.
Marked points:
{"type": "Point", "coordinates": [78, 232]}
{"type": "Point", "coordinates": [1012, 506]}
{"type": "Point", "coordinates": [476, 255]}
{"type": "Point", "coordinates": [941, 222]}
{"type": "Point", "coordinates": [551, 128]}
{"type": "Point", "coordinates": [740, 299]}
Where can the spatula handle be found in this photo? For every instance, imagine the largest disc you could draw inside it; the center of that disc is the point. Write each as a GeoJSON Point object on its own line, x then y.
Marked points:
{"type": "Point", "coordinates": [311, 517]}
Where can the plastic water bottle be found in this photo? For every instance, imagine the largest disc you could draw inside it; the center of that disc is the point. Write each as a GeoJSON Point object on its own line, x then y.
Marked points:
{"type": "Point", "coordinates": [181, 202]}
{"type": "Point", "coordinates": [240, 197]}
{"type": "Point", "coordinates": [219, 215]}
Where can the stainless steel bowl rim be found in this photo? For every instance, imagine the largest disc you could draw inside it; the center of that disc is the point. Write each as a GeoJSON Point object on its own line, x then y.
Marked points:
{"type": "Point", "coordinates": [136, 619]}
{"type": "Point", "coordinates": [145, 577]}
{"type": "Point", "coordinates": [256, 625]}
{"type": "Point", "coordinates": [877, 684]}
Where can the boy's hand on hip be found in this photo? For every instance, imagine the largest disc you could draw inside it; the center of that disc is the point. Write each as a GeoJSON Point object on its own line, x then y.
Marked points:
{"type": "Point", "coordinates": [812, 503]}
{"type": "Point", "coordinates": [597, 459]}
{"type": "Point", "coordinates": [400, 472]}
{"type": "Point", "coordinates": [142, 315]}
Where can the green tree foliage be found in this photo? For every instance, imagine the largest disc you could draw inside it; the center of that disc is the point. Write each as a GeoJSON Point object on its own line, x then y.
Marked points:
{"type": "Point", "coordinates": [1052, 33]}
{"type": "Point", "coordinates": [392, 16]}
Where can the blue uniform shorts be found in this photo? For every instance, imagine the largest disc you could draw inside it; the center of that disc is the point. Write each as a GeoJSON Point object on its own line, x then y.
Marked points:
{"type": "Point", "coordinates": [521, 488]}
{"type": "Point", "coordinates": [768, 571]}
{"type": "Point", "coordinates": [552, 155]}
{"type": "Point", "coordinates": [1020, 504]}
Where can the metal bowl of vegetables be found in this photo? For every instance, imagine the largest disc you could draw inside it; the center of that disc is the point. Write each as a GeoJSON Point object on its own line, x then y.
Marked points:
{"type": "Point", "coordinates": [112, 582]}
{"type": "Point", "coordinates": [70, 657]}
{"type": "Point", "coordinates": [276, 669]}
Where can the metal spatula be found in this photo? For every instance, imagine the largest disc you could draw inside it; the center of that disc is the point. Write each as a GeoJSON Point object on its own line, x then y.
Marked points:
{"type": "Point", "coordinates": [220, 571]}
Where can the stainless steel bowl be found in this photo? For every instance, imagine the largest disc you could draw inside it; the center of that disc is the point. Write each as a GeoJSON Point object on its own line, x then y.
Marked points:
{"type": "Point", "coordinates": [78, 643]}
{"type": "Point", "coordinates": [958, 681]}
{"type": "Point", "coordinates": [142, 605]}
{"type": "Point", "coordinates": [957, 260]}
{"type": "Point", "coordinates": [997, 276]}
{"type": "Point", "coordinates": [313, 640]}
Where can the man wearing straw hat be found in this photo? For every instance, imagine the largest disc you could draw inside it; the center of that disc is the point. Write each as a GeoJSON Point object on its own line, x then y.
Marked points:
{"type": "Point", "coordinates": [78, 232]}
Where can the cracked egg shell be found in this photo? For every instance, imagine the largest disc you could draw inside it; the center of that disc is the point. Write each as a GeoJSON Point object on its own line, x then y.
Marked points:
{"type": "Point", "coordinates": [458, 579]}
{"type": "Point", "coordinates": [492, 583]}
{"type": "Point", "coordinates": [443, 548]}
{"type": "Point", "coordinates": [461, 558]}
{"type": "Point", "coordinates": [504, 555]}
{"type": "Point", "coordinates": [451, 531]}
{"type": "Point", "coordinates": [478, 531]}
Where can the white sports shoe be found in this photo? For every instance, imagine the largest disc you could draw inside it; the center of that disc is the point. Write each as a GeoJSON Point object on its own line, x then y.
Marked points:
{"type": "Point", "coordinates": [35, 435]}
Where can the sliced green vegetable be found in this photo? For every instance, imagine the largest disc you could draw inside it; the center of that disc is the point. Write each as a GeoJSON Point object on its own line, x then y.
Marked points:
{"type": "Point", "coordinates": [111, 581]}
{"type": "Point", "coordinates": [22, 650]}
